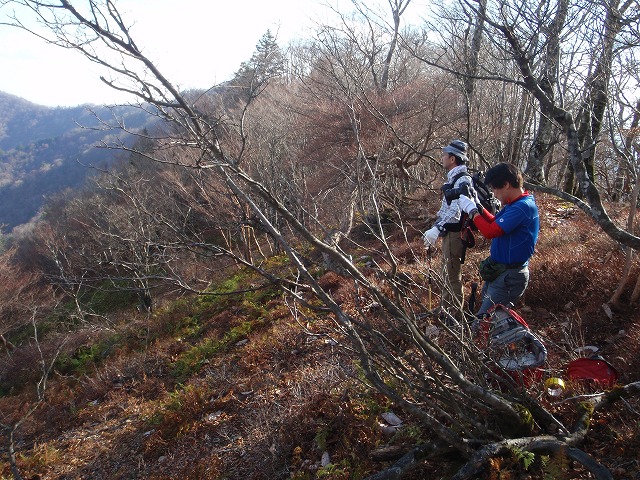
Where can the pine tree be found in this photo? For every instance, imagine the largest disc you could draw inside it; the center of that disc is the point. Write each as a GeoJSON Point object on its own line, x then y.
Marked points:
{"type": "Point", "coordinates": [266, 63]}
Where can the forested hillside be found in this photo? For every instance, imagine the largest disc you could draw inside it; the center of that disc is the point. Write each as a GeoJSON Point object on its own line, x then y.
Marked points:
{"type": "Point", "coordinates": [247, 294]}
{"type": "Point", "coordinates": [45, 150]}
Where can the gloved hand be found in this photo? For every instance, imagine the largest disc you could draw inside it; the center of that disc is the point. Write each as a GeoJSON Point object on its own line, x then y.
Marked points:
{"type": "Point", "coordinates": [430, 237]}
{"type": "Point", "coordinates": [473, 195]}
{"type": "Point", "coordinates": [467, 205]}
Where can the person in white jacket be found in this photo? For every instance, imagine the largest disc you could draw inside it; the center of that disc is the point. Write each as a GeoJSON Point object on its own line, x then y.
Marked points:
{"type": "Point", "coordinates": [448, 225]}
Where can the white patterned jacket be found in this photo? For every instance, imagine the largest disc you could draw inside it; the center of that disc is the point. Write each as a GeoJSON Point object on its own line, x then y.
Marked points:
{"type": "Point", "coordinates": [451, 213]}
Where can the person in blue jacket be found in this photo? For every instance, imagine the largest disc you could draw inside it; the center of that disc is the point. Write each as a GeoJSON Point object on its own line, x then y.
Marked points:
{"type": "Point", "coordinates": [513, 232]}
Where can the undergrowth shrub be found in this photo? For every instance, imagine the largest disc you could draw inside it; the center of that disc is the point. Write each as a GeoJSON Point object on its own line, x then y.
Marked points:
{"type": "Point", "coordinates": [192, 360]}
{"type": "Point", "coordinates": [41, 456]}
{"type": "Point", "coordinates": [109, 297]}
{"type": "Point", "coordinates": [86, 358]}
{"type": "Point", "coordinates": [180, 409]}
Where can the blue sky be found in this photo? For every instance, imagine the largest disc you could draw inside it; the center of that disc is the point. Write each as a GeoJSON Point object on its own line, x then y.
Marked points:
{"type": "Point", "coordinates": [195, 43]}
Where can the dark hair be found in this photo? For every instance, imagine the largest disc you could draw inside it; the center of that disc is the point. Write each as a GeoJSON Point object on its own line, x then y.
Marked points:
{"type": "Point", "coordinates": [501, 174]}
{"type": "Point", "coordinates": [459, 161]}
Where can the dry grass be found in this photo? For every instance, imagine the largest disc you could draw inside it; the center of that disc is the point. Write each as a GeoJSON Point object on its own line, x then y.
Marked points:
{"type": "Point", "coordinates": [268, 401]}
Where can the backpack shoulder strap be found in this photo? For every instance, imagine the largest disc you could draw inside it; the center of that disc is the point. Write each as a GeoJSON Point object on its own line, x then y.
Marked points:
{"type": "Point", "coordinates": [459, 176]}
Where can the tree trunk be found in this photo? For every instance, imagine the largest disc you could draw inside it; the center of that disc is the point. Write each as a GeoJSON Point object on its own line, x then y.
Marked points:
{"type": "Point", "coordinates": [543, 140]}
{"type": "Point", "coordinates": [397, 9]}
{"type": "Point", "coordinates": [627, 158]}
{"type": "Point", "coordinates": [471, 73]}
{"type": "Point", "coordinates": [591, 114]}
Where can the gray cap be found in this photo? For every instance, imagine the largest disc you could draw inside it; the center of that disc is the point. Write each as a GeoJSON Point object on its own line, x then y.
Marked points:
{"type": "Point", "coordinates": [457, 148]}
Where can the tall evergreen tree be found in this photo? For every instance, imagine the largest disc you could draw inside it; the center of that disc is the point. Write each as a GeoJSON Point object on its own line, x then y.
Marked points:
{"type": "Point", "coordinates": [266, 63]}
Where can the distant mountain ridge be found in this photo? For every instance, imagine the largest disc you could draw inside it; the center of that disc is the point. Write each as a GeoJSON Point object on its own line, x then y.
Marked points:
{"type": "Point", "coordinates": [45, 150]}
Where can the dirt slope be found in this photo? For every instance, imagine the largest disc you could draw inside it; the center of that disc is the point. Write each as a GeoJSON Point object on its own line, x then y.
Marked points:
{"type": "Point", "coordinates": [241, 389]}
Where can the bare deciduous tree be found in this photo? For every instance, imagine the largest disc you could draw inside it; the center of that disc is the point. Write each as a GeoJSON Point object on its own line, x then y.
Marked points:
{"type": "Point", "coordinates": [454, 387]}
{"type": "Point", "coordinates": [513, 29]}
{"type": "Point", "coordinates": [11, 422]}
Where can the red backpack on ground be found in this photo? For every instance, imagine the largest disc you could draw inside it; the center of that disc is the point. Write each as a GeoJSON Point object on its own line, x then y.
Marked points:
{"type": "Point", "coordinates": [512, 344]}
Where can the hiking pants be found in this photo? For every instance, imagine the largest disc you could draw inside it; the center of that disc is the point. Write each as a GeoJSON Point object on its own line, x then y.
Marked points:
{"type": "Point", "coordinates": [506, 289]}
{"type": "Point", "coordinates": [452, 297]}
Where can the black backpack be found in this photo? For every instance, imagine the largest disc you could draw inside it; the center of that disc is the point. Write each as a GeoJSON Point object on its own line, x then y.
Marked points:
{"type": "Point", "coordinates": [487, 200]}
{"type": "Point", "coordinates": [485, 195]}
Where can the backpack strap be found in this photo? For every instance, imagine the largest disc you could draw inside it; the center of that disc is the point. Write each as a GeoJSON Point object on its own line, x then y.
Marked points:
{"type": "Point", "coordinates": [468, 240]}
{"type": "Point", "coordinates": [459, 176]}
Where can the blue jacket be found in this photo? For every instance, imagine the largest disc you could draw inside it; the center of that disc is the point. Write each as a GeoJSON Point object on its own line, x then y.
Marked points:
{"type": "Point", "coordinates": [520, 222]}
